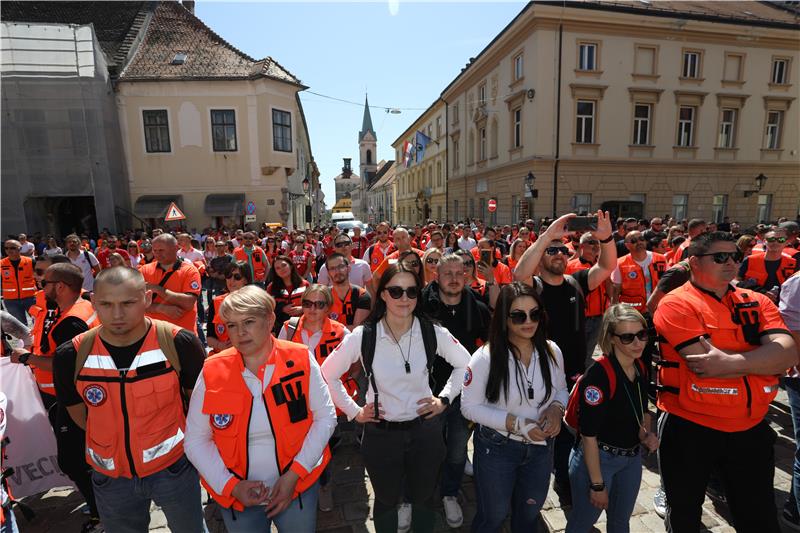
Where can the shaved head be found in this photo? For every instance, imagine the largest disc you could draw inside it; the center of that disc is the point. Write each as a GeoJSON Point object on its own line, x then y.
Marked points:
{"type": "Point", "coordinates": [117, 276]}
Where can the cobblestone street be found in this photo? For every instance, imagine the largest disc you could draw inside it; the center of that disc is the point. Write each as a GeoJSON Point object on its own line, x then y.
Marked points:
{"type": "Point", "coordinates": [57, 510]}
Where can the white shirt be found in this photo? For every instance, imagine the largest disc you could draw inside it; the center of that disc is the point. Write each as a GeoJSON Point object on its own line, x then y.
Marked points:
{"type": "Point", "coordinates": [398, 391]}
{"type": "Point", "coordinates": [204, 454]}
{"type": "Point", "coordinates": [475, 406]}
{"type": "Point", "coordinates": [26, 248]}
{"type": "Point", "coordinates": [192, 255]}
{"type": "Point", "coordinates": [467, 244]}
{"type": "Point", "coordinates": [86, 267]}
{"type": "Point", "coordinates": [616, 276]}
{"type": "Point", "coordinates": [360, 273]}
{"type": "Point", "coordinates": [311, 342]}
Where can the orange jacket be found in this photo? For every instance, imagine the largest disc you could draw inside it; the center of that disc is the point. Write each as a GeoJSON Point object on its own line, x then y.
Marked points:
{"type": "Point", "coordinates": [219, 325]}
{"type": "Point", "coordinates": [374, 256]}
{"type": "Point", "coordinates": [134, 424]}
{"type": "Point", "coordinates": [258, 263]}
{"type": "Point", "coordinates": [757, 268]}
{"type": "Point", "coordinates": [734, 323]}
{"type": "Point", "coordinates": [344, 311]}
{"type": "Point", "coordinates": [228, 404]}
{"type": "Point", "coordinates": [18, 283]}
{"type": "Point", "coordinates": [634, 290]}
{"type": "Point", "coordinates": [597, 300]}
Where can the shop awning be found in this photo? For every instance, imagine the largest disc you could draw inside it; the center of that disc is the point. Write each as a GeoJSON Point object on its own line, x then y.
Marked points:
{"type": "Point", "coordinates": [155, 205]}
{"type": "Point", "coordinates": [224, 205]}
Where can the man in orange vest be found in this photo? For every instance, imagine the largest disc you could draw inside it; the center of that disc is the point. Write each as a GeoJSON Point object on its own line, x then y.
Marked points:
{"type": "Point", "coordinates": [254, 256]}
{"type": "Point", "coordinates": [597, 299]}
{"type": "Point", "coordinates": [71, 315]}
{"type": "Point", "coordinates": [763, 271]}
{"type": "Point", "coordinates": [637, 273]}
{"type": "Point", "coordinates": [128, 390]}
{"type": "Point", "coordinates": [380, 249]}
{"type": "Point", "coordinates": [18, 284]}
{"type": "Point", "coordinates": [695, 228]}
{"type": "Point", "coordinates": [722, 351]}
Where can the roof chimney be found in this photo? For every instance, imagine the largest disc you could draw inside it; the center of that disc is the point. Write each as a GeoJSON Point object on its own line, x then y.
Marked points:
{"type": "Point", "coordinates": [189, 5]}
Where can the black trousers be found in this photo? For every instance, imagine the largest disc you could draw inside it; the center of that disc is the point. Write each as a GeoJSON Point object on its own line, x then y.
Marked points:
{"type": "Point", "coordinates": [404, 463]}
{"type": "Point", "coordinates": [745, 461]}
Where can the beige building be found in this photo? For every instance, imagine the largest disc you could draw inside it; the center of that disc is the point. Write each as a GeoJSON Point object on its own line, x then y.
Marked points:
{"type": "Point", "coordinates": [420, 188]}
{"type": "Point", "coordinates": [678, 105]}
{"type": "Point", "coordinates": [210, 128]}
{"type": "Point", "coordinates": [380, 195]}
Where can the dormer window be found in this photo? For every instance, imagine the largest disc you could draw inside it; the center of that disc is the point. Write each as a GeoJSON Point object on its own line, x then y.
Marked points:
{"type": "Point", "coordinates": [179, 59]}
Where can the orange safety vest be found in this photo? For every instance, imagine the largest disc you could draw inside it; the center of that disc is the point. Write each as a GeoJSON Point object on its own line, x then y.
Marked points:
{"type": "Point", "coordinates": [375, 256]}
{"type": "Point", "coordinates": [596, 300]}
{"type": "Point", "coordinates": [219, 325]}
{"type": "Point", "coordinates": [344, 311]}
{"type": "Point", "coordinates": [259, 266]}
{"type": "Point", "coordinates": [634, 289]}
{"type": "Point", "coordinates": [229, 404]}
{"type": "Point", "coordinates": [82, 309]}
{"type": "Point", "coordinates": [18, 283]}
{"type": "Point", "coordinates": [135, 423]}
{"type": "Point", "coordinates": [757, 268]}
{"type": "Point", "coordinates": [725, 404]}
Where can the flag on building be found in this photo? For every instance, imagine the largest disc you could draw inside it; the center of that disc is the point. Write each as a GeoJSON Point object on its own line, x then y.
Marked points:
{"type": "Point", "coordinates": [420, 145]}
{"type": "Point", "coordinates": [408, 151]}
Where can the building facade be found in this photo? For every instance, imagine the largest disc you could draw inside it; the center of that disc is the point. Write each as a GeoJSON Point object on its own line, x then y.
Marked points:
{"type": "Point", "coordinates": [380, 195]}
{"type": "Point", "coordinates": [668, 104]}
{"type": "Point", "coordinates": [422, 186]}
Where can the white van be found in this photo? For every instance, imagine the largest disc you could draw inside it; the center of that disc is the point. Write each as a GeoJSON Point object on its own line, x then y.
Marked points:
{"type": "Point", "coordinates": [339, 217]}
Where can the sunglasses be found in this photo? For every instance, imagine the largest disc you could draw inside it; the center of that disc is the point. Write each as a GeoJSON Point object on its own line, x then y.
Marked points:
{"type": "Point", "coordinates": [634, 240]}
{"type": "Point", "coordinates": [776, 239]}
{"type": "Point", "coordinates": [553, 250]}
{"type": "Point", "coordinates": [397, 292]}
{"type": "Point", "coordinates": [309, 304]}
{"type": "Point", "coordinates": [721, 258]}
{"type": "Point", "coordinates": [39, 271]}
{"type": "Point", "coordinates": [44, 282]}
{"type": "Point", "coordinates": [11, 248]}
{"type": "Point", "coordinates": [381, 233]}
{"type": "Point", "coordinates": [431, 261]}
{"type": "Point", "coordinates": [519, 317]}
{"type": "Point", "coordinates": [342, 244]}
{"type": "Point", "coordinates": [593, 243]}
{"type": "Point", "coordinates": [627, 338]}
{"type": "Point", "coordinates": [237, 276]}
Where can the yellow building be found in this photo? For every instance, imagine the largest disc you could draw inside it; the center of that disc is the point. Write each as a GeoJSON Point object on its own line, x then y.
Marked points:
{"type": "Point", "coordinates": [677, 105]}
{"type": "Point", "coordinates": [420, 190]}
{"type": "Point", "coordinates": [211, 128]}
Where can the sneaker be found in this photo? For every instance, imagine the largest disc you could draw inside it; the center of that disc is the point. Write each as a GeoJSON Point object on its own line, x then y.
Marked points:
{"type": "Point", "coordinates": [404, 518]}
{"type": "Point", "coordinates": [468, 470]}
{"type": "Point", "coordinates": [92, 526]}
{"type": "Point", "coordinates": [790, 520]}
{"type": "Point", "coordinates": [84, 509]}
{"type": "Point", "coordinates": [325, 498]}
{"type": "Point", "coordinates": [452, 511]}
{"type": "Point", "coordinates": [660, 503]}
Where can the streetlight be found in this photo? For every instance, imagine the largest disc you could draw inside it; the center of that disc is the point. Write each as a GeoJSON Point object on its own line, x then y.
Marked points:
{"type": "Point", "coordinates": [761, 179]}
{"type": "Point", "coordinates": [305, 185]}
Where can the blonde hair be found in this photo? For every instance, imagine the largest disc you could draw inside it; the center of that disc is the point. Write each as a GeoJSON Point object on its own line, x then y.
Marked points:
{"type": "Point", "coordinates": [613, 316]}
{"type": "Point", "coordinates": [316, 288]}
{"type": "Point", "coordinates": [428, 253]}
{"type": "Point", "coordinates": [249, 300]}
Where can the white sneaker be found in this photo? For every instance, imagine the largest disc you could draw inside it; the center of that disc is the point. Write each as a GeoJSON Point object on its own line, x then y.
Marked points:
{"type": "Point", "coordinates": [404, 518]}
{"type": "Point", "coordinates": [660, 503]}
{"type": "Point", "coordinates": [452, 511]}
{"type": "Point", "coordinates": [468, 470]}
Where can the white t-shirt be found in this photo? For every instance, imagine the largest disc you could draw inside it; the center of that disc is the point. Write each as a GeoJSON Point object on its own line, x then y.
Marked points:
{"type": "Point", "coordinates": [86, 267]}
{"type": "Point", "coordinates": [360, 273]}
{"type": "Point", "coordinates": [467, 244]}
{"type": "Point", "coordinates": [26, 248]}
{"type": "Point", "coordinates": [192, 255]}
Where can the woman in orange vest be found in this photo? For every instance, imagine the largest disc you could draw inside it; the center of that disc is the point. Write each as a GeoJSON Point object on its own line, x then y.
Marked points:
{"type": "Point", "coordinates": [259, 422]}
{"type": "Point", "coordinates": [286, 285]}
{"type": "Point", "coordinates": [237, 275]}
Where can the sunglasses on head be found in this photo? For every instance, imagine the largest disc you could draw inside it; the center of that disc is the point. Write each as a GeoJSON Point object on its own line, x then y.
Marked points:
{"type": "Point", "coordinates": [397, 292]}
{"type": "Point", "coordinates": [519, 317]}
{"type": "Point", "coordinates": [627, 338]}
{"type": "Point", "coordinates": [553, 250]}
{"type": "Point", "coordinates": [776, 239]}
{"type": "Point", "coordinates": [319, 304]}
{"type": "Point", "coordinates": [341, 244]}
{"type": "Point", "coordinates": [412, 263]}
{"type": "Point", "coordinates": [721, 258]}
{"type": "Point", "coordinates": [236, 276]}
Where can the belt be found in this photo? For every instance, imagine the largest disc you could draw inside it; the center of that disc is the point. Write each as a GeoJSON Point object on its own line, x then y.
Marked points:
{"type": "Point", "coordinates": [625, 452]}
{"type": "Point", "coordinates": [509, 436]}
{"type": "Point", "coordinates": [399, 426]}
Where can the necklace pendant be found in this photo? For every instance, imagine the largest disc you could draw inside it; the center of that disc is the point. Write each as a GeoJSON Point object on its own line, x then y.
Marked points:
{"type": "Point", "coordinates": [408, 367]}
{"type": "Point", "coordinates": [530, 392]}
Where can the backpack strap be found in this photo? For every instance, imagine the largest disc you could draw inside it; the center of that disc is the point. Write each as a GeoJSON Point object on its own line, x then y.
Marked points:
{"type": "Point", "coordinates": [166, 341]}
{"type": "Point", "coordinates": [368, 339]}
{"type": "Point", "coordinates": [605, 362]}
{"type": "Point", "coordinates": [87, 341]}
{"type": "Point", "coordinates": [431, 347]}
{"type": "Point", "coordinates": [291, 327]}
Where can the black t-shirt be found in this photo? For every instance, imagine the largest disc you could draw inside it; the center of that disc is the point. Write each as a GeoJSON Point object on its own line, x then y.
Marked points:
{"type": "Point", "coordinates": [190, 352]}
{"type": "Point", "coordinates": [566, 321]}
{"type": "Point", "coordinates": [673, 278]}
{"type": "Point", "coordinates": [612, 419]}
{"type": "Point", "coordinates": [218, 265]}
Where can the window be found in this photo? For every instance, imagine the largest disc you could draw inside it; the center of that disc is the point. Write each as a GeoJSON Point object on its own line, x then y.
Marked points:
{"type": "Point", "coordinates": [727, 128]}
{"type": "Point", "coordinates": [587, 56]}
{"type": "Point", "coordinates": [763, 212]}
{"type": "Point", "coordinates": [686, 126]}
{"type": "Point", "coordinates": [584, 131]}
{"type": "Point", "coordinates": [641, 124]}
{"type": "Point", "coordinates": [482, 144]}
{"type": "Point", "coordinates": [471, 148]}
{"type": "Point", "coordinates": [680, 206]}
{"type": "Point", "coordinates": [455, 155]}
{"type": "Point", "coordinates": [455, 113]}
{"type": "Point", "coordinates": [719, 207]}
{"type": "Point", "coordinates": [223, 130]}
{"type": "Point", "coordinates": [733, 67]}
{"type": "Point", "coordinates": [455, 209]}
{"type": "Point", "coordinates": [281, 131]}
{"type": "Point", "coordinates": [430, 131]}
{"type": "Point", "coordinates": [517, 121]}
{"type": "Point", "coordinates": [156, 131]}
{"type": "Point", "coordinates": [369, 157]}
{"type": "Point", "coordinates": [439, 174]}
{"type": "Point", "coordinates": [493, 132]}
{"type": "Point", "coordinates": [518, 68]}
{"type": "Point", "coordinates": [582, 202]}
{"type": "Point", "coordinates": [438, 127]}
{"type": "Point", "coordinates": [482, 94]}
{"type": "Point", "coordinates": [773, 133]}
{"type": "Point", "coordinates": [644, 61]}
{"type": "Point", "coordinates": [691, 65]}
{"type": "Point", "coordinates": [780, 71]}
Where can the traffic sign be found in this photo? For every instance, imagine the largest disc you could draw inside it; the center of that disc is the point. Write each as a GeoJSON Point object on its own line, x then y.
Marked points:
{"type": "Point", "coordinates": [173, 213]}
{"type": "Point", "coordinates": [492, 205]}
{"type": "Point", "coordinates": [249, 218]}
{"type": "Point", "coordinates": [251, 208]}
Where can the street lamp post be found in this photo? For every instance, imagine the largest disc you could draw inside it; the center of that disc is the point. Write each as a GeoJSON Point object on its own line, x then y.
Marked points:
{"type": "Point", "coordinates": [530, 193]}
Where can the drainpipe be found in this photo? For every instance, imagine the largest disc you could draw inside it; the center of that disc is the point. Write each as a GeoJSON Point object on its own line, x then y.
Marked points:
{"type": "Point", "coordinates": [446, 162]}
{"type": "Point", "coordinates": [558, 123]}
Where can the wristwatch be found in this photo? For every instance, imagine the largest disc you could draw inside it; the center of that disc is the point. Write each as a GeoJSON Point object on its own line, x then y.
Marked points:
{"type": "Point", "coordinates": [598, 487]}
{"type": "Point", "coordinates": [445, 400]}
{"type": "Point", "coordinates": [23, 359]}
{"type": "Point", "coordinates": [607, 239]}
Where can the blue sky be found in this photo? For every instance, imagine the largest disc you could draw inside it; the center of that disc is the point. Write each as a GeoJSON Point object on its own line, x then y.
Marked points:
{"type": "Point", "coordinates": [402, 53]}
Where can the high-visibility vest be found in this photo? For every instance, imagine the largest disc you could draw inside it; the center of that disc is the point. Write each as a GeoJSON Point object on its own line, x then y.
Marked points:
{"type": "Point", "coordinates": [596, 300]}
{"type": "Point", "coordinates": [258, 263]}
{"type": "Point", "coordinates": [725, 404]}
{"type": "Point", "coordinates": [344, 311]}
{"type": "Point", "coordinates": [135, 423]}
{"type": "Point", "coordinates": [229, 404]}
{"type": "Point", "coordinates": [375, 256]}
{"type": "Point", "coordinates": [219, 325]}
{"type": "Point", "coordinates": [634, 289]}
{"type": "Point", "coordinates": [757, 268]}
{"type": "Point", "coordinates": [18, 283]}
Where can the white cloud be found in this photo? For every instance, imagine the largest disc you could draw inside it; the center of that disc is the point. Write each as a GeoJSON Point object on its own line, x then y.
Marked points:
{"type": "Point", "coordinates": [394, 7]}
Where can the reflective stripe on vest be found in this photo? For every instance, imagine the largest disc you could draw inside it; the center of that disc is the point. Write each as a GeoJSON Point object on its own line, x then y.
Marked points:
{"type": "Point", "coordinates": [634, 282]}
{"type": "Point", "coordinates": [18, 283]}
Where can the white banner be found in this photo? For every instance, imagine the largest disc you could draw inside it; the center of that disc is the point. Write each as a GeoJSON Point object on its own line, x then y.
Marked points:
{"type": "Point", "coordinates": [32, 447]}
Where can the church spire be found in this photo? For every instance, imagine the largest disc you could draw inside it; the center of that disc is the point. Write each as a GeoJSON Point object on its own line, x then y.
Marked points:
{"type": "Point", "coordinates": [366, 123]}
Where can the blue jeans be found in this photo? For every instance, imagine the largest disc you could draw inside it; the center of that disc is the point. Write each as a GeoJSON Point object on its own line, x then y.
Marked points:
{"type": "Point", "coordinates": [124, 503]}
{"type": "Point", "coordinates": [456, 435]}
{"type": "Point", "coordinates": [294, 519]}
{"type": "Point", "coordinates": [509, 474]}
{"type": "Point", "coordinates": [622, 476]}
{"type": "Point", "coordinates": [792, 386]}
{"type": "Point", "coordinates": [10, 522]}
{"type": "Point", "coordinates": [19, 308]}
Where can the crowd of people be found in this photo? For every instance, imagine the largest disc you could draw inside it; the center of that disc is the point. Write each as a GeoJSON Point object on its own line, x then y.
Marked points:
{"type": "Point", "coordinates": [573, 347]}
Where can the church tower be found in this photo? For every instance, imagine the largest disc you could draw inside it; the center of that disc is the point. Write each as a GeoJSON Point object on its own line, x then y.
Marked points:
{"type": "Point", "coordinates": [367, 147]}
